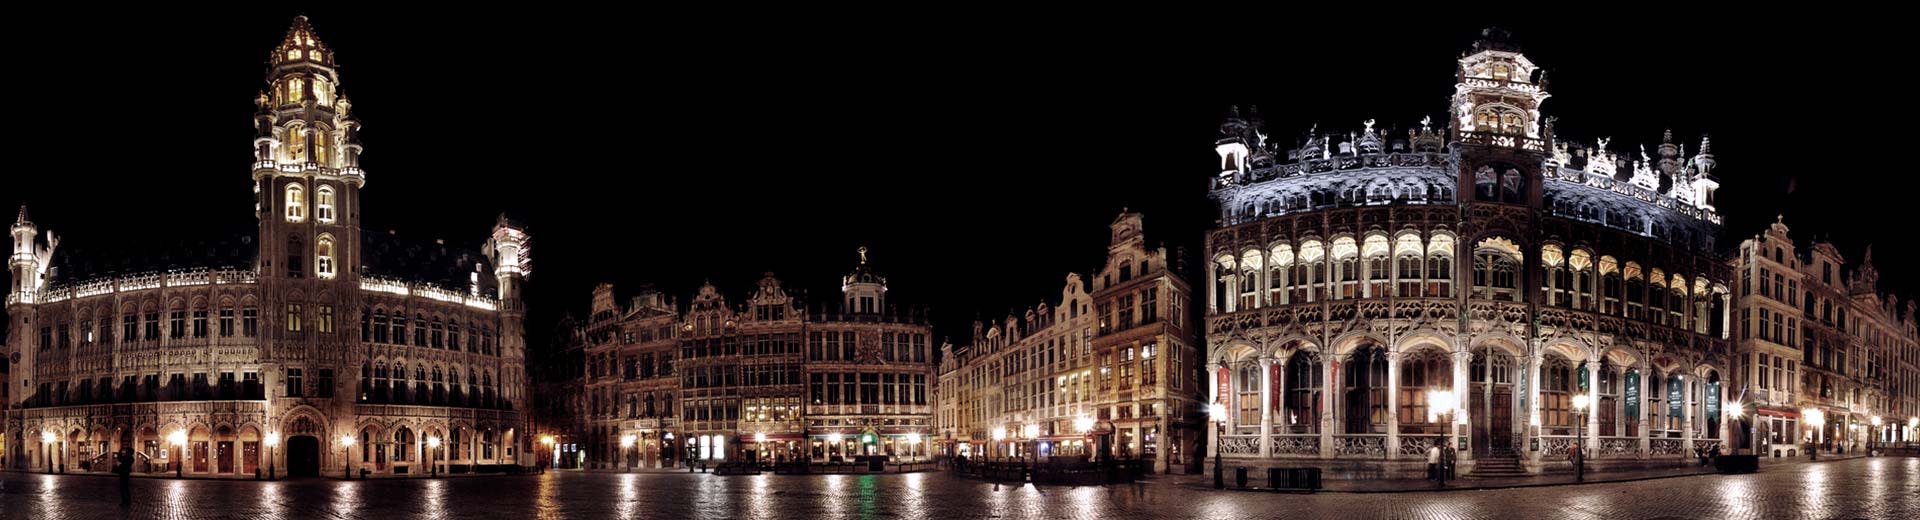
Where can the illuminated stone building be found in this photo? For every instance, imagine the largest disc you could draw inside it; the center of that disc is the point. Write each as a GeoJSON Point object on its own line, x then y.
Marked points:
{"type": "Point", "coordinates": [1813, 340]}
{"type": "Point", "coordinates": [1373, 293]}
{"type": "Point", "coordinates": [296, 338]}
{"type": "Point", "coordinates": [1106, 373]}
{"type": "Point", "coordinates": [773, 379]}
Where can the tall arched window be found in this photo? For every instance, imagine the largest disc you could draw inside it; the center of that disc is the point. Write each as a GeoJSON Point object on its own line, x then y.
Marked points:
{"type": "Point", "coordinates": [1304, 382]}
{"type": "Point", "coordinates": [296, 90]}
{"type": "Point", "coordinates": [1247, 402]}
{"type": "Point", "coordinates": [1421, 371]}
{"type": "Point", "coordinates": [1281, 262]}
{"type": "Point", "coordinates": [323, 204]}
{"type": "Point", "coordinates": [1365, 380]}
{"type": "Point", "coordinates": [296, 203]}
{"type": "Point", "coordinates": [1496, 264]}
{"type": "Point", "coordinates": [323, 257]}
{"type": "Point", "coordinates": [1558, 279]}
{"type": "Point", "coordinates": [1440, 266]}
{"type": "Point", "coordinates": [1379, 274]}
{"type": "Point", "coordinates": [320, 147]}
{"type": "Point", "coordinates": [1308, 273]}
{"type": "Point", "coordinates": [296, 257]}
{"type": "Point", "coordinates": [296, 145]}
{"type": "Point", "coordinates": [1346, 256]}
{"type": "Point", "coordinates": [1407, 253]}
{"type": "Point", "coordinates": [1556, 392]}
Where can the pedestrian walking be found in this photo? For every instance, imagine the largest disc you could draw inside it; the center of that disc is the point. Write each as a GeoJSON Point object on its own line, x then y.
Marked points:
{"type": "Point", "coordinates": [1433, 463]}
{"type": "Point", "coordinates": [123, 467]}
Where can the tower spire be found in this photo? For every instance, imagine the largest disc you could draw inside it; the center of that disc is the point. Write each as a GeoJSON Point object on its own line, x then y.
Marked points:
{"type": "Point", "coordinates": [22, 219]}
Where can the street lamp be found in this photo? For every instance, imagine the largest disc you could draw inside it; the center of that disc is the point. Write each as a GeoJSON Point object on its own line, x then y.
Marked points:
{"type": "Point", "coordinates": [273, 440]}
{"type": "Point", "coordinates": [1580, 403]}
{"type": "Point", "coordinates": [346, 454]}
{"type": "Point", "coordinates": [1876, 433]}
{"type": "Point", "coordinates": [179, 439]}
{"type": "Point", "coordinates": [1218, 413]}
{"type": "Point", "coordinates": [46, 447]}
{"type": "Point", "coordinates": [548, 440]}
{"type": "Point", "coordinates": [1816, 419]}
{"type": "Point", "coordinates": [1441, 403]}
{"type": "Point", "coordinates": [626, 443]}
{"type": "Point", "coordinates": [1736, 413]}
{"type": "Point", "coordinates": [999, 434]}
{"type": "Point", "coordinates": [433, 455]}
{"type": "Point", "coordinates": [913, 440]}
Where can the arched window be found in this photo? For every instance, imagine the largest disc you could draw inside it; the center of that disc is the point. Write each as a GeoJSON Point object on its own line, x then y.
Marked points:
{"type": "Point", "coordinates": [1556, 392]}
{"type": "Point", "coordinates": [295, 144]}
{"type": "Point", "coordinates": [402, 444]}
{"type": "Point", "coordinates": [1420, 372]}
{"type": "Point", "coordinates": [296, 88]}
{"type": "Point", "coordinates": [1308, 273]}
{"type": "Point", "coordinates": [1304, 382]}
{"type": "Point", "coordinates": [1496, 265]}
{"type": "Point", "coordinates": [1280, 262]}
{"type": "Point", "coordinates": [1247, 402]}
{"type": "Point", "coordinates": [1558, 279]}
{"type": "Point", "coordinates": [323, 257]}
{"type": "Point", "coordinates": [323, 204]}
{"type": "Point", "coordinates": [296, 257]}
{"type": "Point", "coordinates": [1580, 263]}
{"type": "Point", "coordinates": [1407, 269]}
{"type": "Point", "coordinates": [1364, 379]}
{"type": "Point", "coordinates": [296, 203]}
{"type": "Point", "coordinates": [1440, 266]}
{"type": "Point", "coordinates": [1379, 276]}
{"type": "Point", "coordinates": [1346, 257]}
{"type": "Point", "coordinates": [320, 148]}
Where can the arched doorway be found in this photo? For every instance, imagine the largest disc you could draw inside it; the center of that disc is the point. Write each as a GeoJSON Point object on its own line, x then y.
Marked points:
{"type": "Point", "coordinates": [1492, 375]}
{"type": "Point", "coordinates": [303, 456]}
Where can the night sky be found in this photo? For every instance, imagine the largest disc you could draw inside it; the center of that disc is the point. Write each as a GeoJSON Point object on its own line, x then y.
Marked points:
{"type": "Point", "coordinates": [979, 164]}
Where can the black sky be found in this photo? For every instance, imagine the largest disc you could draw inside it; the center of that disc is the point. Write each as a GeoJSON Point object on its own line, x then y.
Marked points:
{"type": "Point", "coordinates": [980, 162]}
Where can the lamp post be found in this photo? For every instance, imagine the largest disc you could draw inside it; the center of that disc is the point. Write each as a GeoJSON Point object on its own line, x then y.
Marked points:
{"type": "Point", "coordinates": [626, 443]}
{"type": "Point", "coordinates": [1580, 403]}
{"type": "Point", "coordinates": [549, 442]}
{"type": "Point", "coordinates": [433, 456]}
{"type": "Point", "coordinates": [346, 456]}
{"type": "Point", "coordinates": [666, 444]}
{"type": "Point", "coordinates": [1441, 404]}
{"type": "Point", "coordinates": [1737, 412]}
{"type": "Point", "coordinates": [999, 435]}
{"type": "Point", "coordinates": [913, 441]}
{"type": "Point", "coordinates": [273, 440]}
{"type": "Point", "coordinates": [1816, 419]}
{"type": "Point", "coordinates": [1082, 425]}
{"type": "Point", "coordinates": [46, 447]}
{"type": "Point", "coordinates": [179, 440]}
{"type": "Point", "coordinates": [1875, 436]}
{"type": "Point", "coordinates": [1218, 413]}
{"type": "Point", "coordinates": [1913, 428]}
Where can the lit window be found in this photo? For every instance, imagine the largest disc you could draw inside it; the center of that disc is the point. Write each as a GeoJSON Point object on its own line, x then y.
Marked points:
{"type": "Point", "coordinates": [323, 204]}
{"type": "Point", "coordinates": [296, 90]}
{"type": "Point", "coordinates": [293, 54]}
{"type": "Point", "coordinates": [323, 257]}
{"type": "Point", "coordinates": [296, 203]}
{"type": "Point", "coordinates": [320, 146]}
{"type": "Point", "coordinates": [296, 145]}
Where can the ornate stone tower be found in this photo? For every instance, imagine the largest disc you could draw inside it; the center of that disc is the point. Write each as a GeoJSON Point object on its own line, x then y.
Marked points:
{"type": "Point", "coordinates": [29, 263]}
{"type": "Point", "coordinates": [306, 170]}
{"type": "Point", "coordinates": [1498, 132]}
{"type": "Point", "coordinates": [863, 290]}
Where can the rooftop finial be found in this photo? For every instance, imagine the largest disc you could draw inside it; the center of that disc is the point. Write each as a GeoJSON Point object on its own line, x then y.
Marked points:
{"type": "Point", "coordinates": [863, 255]}
{"type": "Point", "coordinates": [22, 219]}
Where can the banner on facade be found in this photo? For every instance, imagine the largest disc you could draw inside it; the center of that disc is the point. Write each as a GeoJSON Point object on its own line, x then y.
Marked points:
{"type": "Point", "coordinates": [1220, 390]}
{"type": "Point", "coordinates": [1633, 394]}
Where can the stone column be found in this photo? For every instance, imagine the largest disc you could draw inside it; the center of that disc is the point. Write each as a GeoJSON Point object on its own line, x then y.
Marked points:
{"type": "Point", "coordinates": [1213, 282]}
{"type": "Point", "coordinates": [1592, 367]}
{"type": "Point", "coordinates": [1393, 404]}
{"type": "Point", "coordinates": [1646, 429]}
{"type": "Point", "coordinates": [1213, 428]}
{"type": "Point", "coordinates": [1532, 377]}
{"type": "Point", "coordinates": [1462, 386]}
{"type": "Point", "coordinates": [1686, 412]}
{"type": "Point", "coordinates": [1266, 407]}
{"type": "Point", "coordinates": [1327, 405]}
{"type": "Point", "coordinates": [1233, 288]}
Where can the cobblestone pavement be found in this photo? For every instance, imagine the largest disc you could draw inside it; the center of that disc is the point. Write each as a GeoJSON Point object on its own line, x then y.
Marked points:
{"type": "Point", "coordinates": [1860, 488]}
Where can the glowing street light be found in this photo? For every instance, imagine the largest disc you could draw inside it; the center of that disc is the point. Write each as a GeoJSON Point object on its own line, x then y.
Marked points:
{"type": "Point", "coordinates": [346, 452]}
{"type": "Point", "coordinates": [433, 455]}
{"type": "Point", "coordinates": [913, 442]}
{"type": "Point", "coordinates": [1815, 418]}
{"type": "Point", "coordinates": [1083, 423]}
{"type": "Point", "coordinates": [1580, 403]}
{"type": "Point", "coordinates": [1218, 414]}
{"type": "Point", "coordinates": [626, 443]}
{"type": "Point", "coordinates": [179, 439]}
{"type": "Point", "coordinates": [47, 439]}
{"type": "Point", "coordinates": [272, 440]}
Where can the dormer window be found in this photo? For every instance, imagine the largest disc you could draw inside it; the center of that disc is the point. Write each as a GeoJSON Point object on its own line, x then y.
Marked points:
{"type": "Point", "coordinates": [296, 203]}
{"type": "Point", "coordinates": [293, 54]}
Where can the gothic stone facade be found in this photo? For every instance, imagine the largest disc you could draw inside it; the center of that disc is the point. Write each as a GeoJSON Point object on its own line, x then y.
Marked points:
{"type": "Point", "coordinates": [1461, 286]}
{"type": "Point", "coordinates": [305, 342]}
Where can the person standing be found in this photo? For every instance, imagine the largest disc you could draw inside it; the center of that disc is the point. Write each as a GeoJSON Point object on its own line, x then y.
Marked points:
{"type": "Point", "coordinates": [1433, 463]}
{"type": "Point", "coordinates": [123, 467]}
